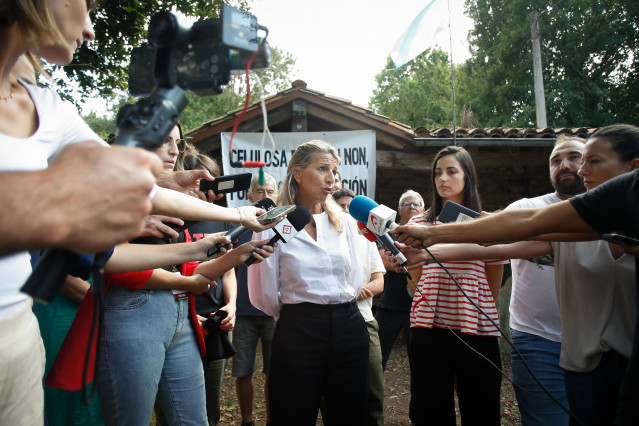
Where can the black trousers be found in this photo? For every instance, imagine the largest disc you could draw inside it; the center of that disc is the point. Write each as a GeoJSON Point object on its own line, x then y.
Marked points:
{"type": "Point", "coordinates": [390, 324]}
{"type": "Point", "coordinates": [319, 351]}
{"type": "Point", "coordinates": [437, 359]}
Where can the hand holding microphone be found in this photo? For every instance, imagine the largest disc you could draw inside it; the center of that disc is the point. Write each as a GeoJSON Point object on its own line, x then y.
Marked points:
{"type": "Point", "coordinates": [388, 243]}
{"type": "Point", "coordinates": [235, 233]}
{"type": "Point", "coordinates": [288, 228]}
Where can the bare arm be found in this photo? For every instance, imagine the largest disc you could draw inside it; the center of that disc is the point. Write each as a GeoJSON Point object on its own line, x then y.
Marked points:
{"type": "Point", "coordinates": [165, 280]}
{"type": "Point", "coordinates": [372, 288]}
{"type": "Point", "coordinates": [75, 288]}
{"type": "Point", "coordinates": [139, 257]}
{"type": "Point", "coordinates": [494, 275]}
{"type": "Point", "coordinates": [510, 225]}
{"type": "Point", "coordinates": [217, 267]}
{"type": "Point", "coordinates": [66, 204]}
{"type": "Point", "coordinates": [229, 287]}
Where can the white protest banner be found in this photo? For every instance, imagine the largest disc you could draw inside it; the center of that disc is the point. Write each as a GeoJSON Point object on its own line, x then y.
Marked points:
{"type": "Point", "coordinates": [356, 149]}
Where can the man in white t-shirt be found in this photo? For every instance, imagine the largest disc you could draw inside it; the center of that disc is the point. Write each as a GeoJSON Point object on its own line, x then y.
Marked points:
{"type": "Point", "coordinates": [534, 312]}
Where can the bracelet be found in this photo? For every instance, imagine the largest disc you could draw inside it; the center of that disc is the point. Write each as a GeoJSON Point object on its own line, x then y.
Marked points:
{"type": "Point", "coordinates": [240, 213]}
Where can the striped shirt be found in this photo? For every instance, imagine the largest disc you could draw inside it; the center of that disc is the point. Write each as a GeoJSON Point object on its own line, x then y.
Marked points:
{"type": "Point", "coordinates": [442, 294]}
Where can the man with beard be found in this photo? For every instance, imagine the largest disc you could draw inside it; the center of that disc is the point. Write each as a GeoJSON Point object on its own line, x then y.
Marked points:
{"type": "Point", "coordinates": [534, 312]}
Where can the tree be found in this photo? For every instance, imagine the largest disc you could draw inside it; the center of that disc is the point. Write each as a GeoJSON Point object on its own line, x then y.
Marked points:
{"type": "Point", "coordinates": [120, 25]}
{"type": "Point", "coordinates": [590, 57]}
{"type": "Point", "coordinates": [419, 93]}
{"type": "Point", "coordinates": [275, 78]}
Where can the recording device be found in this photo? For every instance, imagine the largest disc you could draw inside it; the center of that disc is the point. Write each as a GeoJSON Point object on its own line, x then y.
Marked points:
{"type": "Point", "coordinates": [378, 218]}
{"type": "Point", "coordinates": [235, 233]}
{"type": "Point", "coordinates": [275, 214]}
{"type": "Point", "coordinates": [622, 240]}
{"type": "Point", "coordinates": [147, 123]}
{"type": "Point", "coordinates": [207, 52]}
{"type": "Point", "coordinates": [214, 320]}
{"type": "Point", "coordinates": [388, 243]}
{"type": "Point", "coordinates": [453, 212]}
{"type": "Point", "coordinates": [227, 183]}
{"type": "Point", "coordinates": [287, 229]}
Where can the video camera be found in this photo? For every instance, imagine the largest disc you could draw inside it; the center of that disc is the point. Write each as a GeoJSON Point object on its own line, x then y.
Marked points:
{"type": "Point", "coordinates": [199, 58]}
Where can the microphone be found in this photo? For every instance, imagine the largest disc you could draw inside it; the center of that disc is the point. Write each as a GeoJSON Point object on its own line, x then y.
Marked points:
{"type": "Point", "coordinates": [238, 231]}
{"type": "Point", "coordinates": [387, 241]}
{"type": "Point", "coordinates": [288, 228]}
{"type": "Point", "coordinates": [378, 218]}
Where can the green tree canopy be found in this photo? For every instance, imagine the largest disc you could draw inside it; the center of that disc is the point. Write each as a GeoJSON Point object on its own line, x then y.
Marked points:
{"type": "Point", "coordinates": [418, 93]}
{"type": "Point", "coordinates": [590, 57]}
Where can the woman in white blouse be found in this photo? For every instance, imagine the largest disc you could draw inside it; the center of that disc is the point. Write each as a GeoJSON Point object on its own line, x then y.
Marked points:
{"type": "Point", "coordinates": [310, 285]}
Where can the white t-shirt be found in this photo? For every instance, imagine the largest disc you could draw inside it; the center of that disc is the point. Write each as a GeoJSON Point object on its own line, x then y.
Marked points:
{"type": "Point", "coordinates": [370, 262]}
{"type": "Point", "coordinates": [533, 301]}
{"type": "Point", "coordinates": [59, 124]}
{"type": "Point", "coordinates": [323, 272]}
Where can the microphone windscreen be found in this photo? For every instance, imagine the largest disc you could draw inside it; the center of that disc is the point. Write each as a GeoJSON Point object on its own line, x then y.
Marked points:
{"type": "Point", "coordinates": [265, 203]}
{"type": "Point", "coordinates": [360, 207]}
{"type": "Point", "coordinates": [299, 217]}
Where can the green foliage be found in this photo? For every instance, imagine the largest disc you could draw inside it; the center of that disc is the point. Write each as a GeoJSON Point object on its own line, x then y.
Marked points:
{"type": "Point", "coordinates": [120, 25]}
{"type": "Point", "coordinates": [275, 78]}
{"type": "Point", "coordinates": [419, 93]}
{"type": "Point", "coordinates": [590, 57]}
{"type": "Point", "coordinates": [590, 60]}
{"type": "Point", "coordinates": [101, 125]}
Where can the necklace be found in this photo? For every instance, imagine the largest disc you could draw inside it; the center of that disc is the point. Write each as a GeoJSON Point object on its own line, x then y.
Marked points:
{"type": "Point", "coordinates": [10, 96]}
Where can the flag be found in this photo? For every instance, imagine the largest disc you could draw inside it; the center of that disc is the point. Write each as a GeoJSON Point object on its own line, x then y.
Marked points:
{"type": "Point", "coordinates": [421, 33]}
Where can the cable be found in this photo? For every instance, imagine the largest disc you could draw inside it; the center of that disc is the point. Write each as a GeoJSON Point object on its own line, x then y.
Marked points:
{"type": "Point", "coordinates": [480, 310]}
{"type": "Point", "coordinates": [246, 164]}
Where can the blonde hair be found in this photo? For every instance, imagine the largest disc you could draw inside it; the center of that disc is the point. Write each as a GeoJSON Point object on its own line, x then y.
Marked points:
{"type": "Point", "coordinates": [35, 21]}
{"type": "Point", "coordinates": [303, 156]}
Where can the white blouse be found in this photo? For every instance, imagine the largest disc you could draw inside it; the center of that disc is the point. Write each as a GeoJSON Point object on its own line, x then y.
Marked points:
{"type": "Point", "coordinates": [323, 272]}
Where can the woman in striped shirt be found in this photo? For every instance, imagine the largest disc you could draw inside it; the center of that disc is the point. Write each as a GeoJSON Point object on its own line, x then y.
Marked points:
{"type": "Point", "coordinates": [440, 357]}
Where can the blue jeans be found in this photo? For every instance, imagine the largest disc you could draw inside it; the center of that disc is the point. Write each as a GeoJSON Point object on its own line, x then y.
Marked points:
{"type": "Point", "coordinates": [148, 348]}
{"type": "Point", "coordinates": [594, 395]}
{"type": "Point", "coordinates": [542, 356]}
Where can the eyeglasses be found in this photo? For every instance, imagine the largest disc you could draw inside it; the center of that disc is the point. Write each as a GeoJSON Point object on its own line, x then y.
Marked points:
{"type": "Point", "coordinates": [408, 204]}
{"type": "Point", "coordinates": [180, 143]}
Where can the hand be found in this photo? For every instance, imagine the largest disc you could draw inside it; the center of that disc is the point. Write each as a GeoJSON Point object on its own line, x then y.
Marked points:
{"type": "Point", "coordinates": [186, 181]}
{"type": "Point", "coordinates": [97, 196]}
{"type": "Point", "coordinates": [198, 284]}
{"type": "Point", "coordinates": [154, 226]}
{"type": "Point", "coordinates": [249, 218]}
{"type": "Point", "coordinates": [211, 240]}
{"type": "Point", "coordinates": [365, 293]}
{"type": "Point", "coordinates": [228, 323]}
{"type": "Point", "coordinates": [413, 235]}
{"type": "Point", "coordinates": [258, 249]}
{"type": "Point", "coordinates": [416, 257]}
{"type": "Point", "coordinates": [201, 320]}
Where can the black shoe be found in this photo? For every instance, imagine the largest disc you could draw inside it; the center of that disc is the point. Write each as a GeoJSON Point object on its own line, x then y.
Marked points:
{"type": "Point", "coordinates": [248, 424]}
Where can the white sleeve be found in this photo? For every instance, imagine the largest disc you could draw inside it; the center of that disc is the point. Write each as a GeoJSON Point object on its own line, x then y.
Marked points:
{"type": "Point", "coordinates": [263, 280]}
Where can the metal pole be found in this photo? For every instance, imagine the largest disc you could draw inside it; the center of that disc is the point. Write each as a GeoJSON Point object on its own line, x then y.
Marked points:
{"type": "Point", "coordinates": [540, 99]}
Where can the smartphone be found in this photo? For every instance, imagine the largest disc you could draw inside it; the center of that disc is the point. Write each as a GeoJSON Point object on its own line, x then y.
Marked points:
{"type": "Point", "coordinates": [622, 240]}
{"type": "Point", "coordinates": [228, 183]}
{"type": "Point", "coordinates": [275, 214]}
{"type": "Point", "coordinates": [453, 212]}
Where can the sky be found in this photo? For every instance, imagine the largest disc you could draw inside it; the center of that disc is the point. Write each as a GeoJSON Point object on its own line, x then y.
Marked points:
{"type": "Point", "coordinates": [340, 45]}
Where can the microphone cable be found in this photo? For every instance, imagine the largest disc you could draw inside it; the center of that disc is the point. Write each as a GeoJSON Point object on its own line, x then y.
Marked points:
{"type": "Point", "coordinates": [480, 310]}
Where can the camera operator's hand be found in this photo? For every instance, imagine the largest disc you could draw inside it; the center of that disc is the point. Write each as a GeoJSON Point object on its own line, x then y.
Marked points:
{"type": "Point", "coordinates": [211, 240]}
{"type": "Point", "coordinates": [154, 226]}
{"type": "Point", "coordinates": [90, 198]}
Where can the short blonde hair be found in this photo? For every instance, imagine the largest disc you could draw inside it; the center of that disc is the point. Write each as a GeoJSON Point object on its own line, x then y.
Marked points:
{"type": "Point", "coordinates": [303, 156]}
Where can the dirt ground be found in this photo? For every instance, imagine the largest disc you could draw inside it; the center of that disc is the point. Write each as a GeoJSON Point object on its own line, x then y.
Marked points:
{"type": "Point", "coordinates": [397, 393]}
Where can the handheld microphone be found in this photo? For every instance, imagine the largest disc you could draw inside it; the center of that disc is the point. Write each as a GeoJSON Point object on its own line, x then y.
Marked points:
{"type": "Point", "coordinates": [378, 218]}
{"type": "Point", "coordinates": [287, 229]}
{"type": "Point", "coordinates": [387, 241]}
{"type": "Point", "coordinates": [235, 233]}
